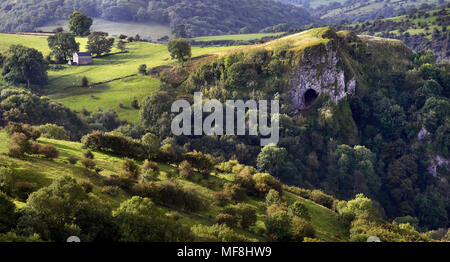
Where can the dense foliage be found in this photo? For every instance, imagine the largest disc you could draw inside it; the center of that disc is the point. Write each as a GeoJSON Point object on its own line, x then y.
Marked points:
{"type": "Point", "coordinates": [211, 17]}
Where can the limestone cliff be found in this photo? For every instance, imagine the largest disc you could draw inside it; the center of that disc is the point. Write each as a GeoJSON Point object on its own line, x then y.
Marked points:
{"type": "Point", "coordinates": [317, 73]}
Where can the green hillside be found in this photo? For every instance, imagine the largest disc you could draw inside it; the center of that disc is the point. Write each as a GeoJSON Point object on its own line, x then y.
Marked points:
{"type": "Point", "coordinates": [368, 10]}
{"type": "Point", "coordinates": [335, 175]}
{"type": "Point", "coordinates": [65, 81]}
{"type": "Point", "coordinates": [240, 37]}
{"type": "Point", "coordinates": [41, 172]}
{"type": "Point", "coordinates": [419, 29]}
{"type": "Point", "coordinates": [211, 17]}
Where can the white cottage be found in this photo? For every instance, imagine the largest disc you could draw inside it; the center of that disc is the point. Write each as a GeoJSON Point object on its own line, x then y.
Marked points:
{"type": "Point", "coordinates": [81, 58]}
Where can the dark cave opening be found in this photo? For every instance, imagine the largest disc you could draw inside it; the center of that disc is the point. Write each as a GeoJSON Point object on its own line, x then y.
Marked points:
{"type": "Point", "coordinates": [310, 97]}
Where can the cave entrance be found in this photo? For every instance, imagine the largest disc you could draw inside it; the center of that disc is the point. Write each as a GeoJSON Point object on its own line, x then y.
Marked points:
{"type": "Point", "coordinates": [310, 97]}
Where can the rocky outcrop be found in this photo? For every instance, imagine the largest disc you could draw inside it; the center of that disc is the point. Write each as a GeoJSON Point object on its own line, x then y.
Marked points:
{"type": "Point", "coordinates": [320, 72]}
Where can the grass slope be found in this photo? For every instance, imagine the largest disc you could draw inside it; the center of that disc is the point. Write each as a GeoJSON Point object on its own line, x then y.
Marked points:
{"type": "Point", "coordinates": [369, 8]}
{"type": "Point", "coordinates": [239, 37]}
{"type": "Point", "coordinates": [64, 81]}
{"type": "Point", "coordinates": [42, 172]}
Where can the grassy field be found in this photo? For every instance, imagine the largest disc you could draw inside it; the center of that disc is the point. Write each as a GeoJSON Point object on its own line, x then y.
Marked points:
{"type": "Point", "coordinates": [147, 31]}
{"type": "Point", "coordinates": [36, 41]}
{"type": "Point", "coordinates": [110, 96]}
{"type": "Point", "coordinates": [239, 37]}
{"type": "Point", "coordinates": [42, 172]}
{"type": "Point", "coordinates": [64, 82]}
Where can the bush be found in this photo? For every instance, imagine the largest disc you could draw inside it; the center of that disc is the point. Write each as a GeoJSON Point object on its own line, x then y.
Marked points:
{"type": "Point", "coordinates": [245, 214]}
{"type": "Point", "coordinates": [150, 171]}
{"type": "Point", "coordinates": [130, 169]}
{"type": "Point", "coordinates": [19, 145]}
{"type": "Point", "coordinates": [88, 154]}
{"type": "Point", "coordinates": [217, 233]}
{"type": "Point", "coordinates": [185, 170]}
{"type": "Point", "coordinates": [111, 190]}
{"type": "Point", "coordinates": [135, 103]}
{"type": "Point", "coordinates": [235, 192]}
{"type": "Point", "coordinates": [84, 82]}
{"type": "Point", "coordinates": [115, 143]}
{"type": "Point", "coordinates": [204, 163]}
{"type": "Point", "coordinates": [301, 229]}
{"type": "Point", "coordinates": [53, 131]}
{"type": "Point", "coordinates": [119, 181]}
{"type": "Point", "coordinates": [6, 180]}
{"type": "Point", "coordinates": [149, 176]}
{"type": "Point", "coordinates": [23, 189]}
{"type": "Point", "coordinates": [29, 131]}
{"type": "Point", "coordinates": [273, 197]}
{"type": "Point", "coordinates": [150, 165]}
{"type": "Point", "coordinates": [322, 199]}
{"type": "Point", "coordinates": [142, 69]}
{"type": "Point", "coordinates": [221, 198]}
{"type": "Point", "coordinates": [72, 159]}
{"type": "Point", "coordinates": [87, 186]}
{"type": "Point", "coordinates": [226, 219]}
{"type": "Point", "coordinates": [227, 167]}
{"type": "Point", "coordinates": [49, 151]}
{"type": "Point", "coordinates": [298, 209]}
{"type": "Point", "coordinates": [170, 192]}
{"type": "Point", "coordinates": [7, 214]}
{"type": "Point", "coordinates": [88, 163]}
{"type": "Point", "coordinates": [264, 182]}
{"type": "Point", "coordinates": [149, 190]}
{"type": "Point", "coordinates": [278, 225]}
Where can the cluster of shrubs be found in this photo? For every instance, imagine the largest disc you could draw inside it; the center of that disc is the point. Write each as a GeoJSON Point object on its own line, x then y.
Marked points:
{"type": "Point", "coordinates": [242, 215]}
{"type": "Point", "coordinates": [143, 182]}
{"type": "Point", "coordinates": [115, 143]}
{"type": "Point", "coordinates": [218, 233]}
{"type": "Point", "coordinates": [247, 182]}
{"type": "Point", "coordinates": [23, 141]}
{"type": "Point", "coordinates": [12, 186]}
{"type": "Point", "coordinates": [20, 105]}
{"type": "Point", "coordinates": [287, 223]}
{"type": "Point", "coordinates": [316, 196]}
{"type": "Point", "coordinates": [364, 220]}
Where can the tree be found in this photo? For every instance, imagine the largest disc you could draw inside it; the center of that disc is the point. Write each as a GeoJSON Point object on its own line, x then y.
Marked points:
{"type": "Point", "coordinates": [7, 215]}
{"type": "Point", "coordinates": [298, 209]}
{"type": "Point", "coordinates": [130, 169]}
{"type": "Point", "coordinates": [301, 228]}
{"type": "Point", "coordinates": [140, 220]}
{"type": "Point", "coordinates": [63, 46]}
{"type": "Point", "coordinates": [25, 65]}
{"type": "Point", "coordinates": [153, 106]}
{"type": "Point", "coordinates": [272, 160]}
{"type": "Point", "coordinates": [278, 225]}
{"type": "Point", "coordinates": [152, 143]}
{"type": "Point", "coordinates": [99, 43]}
{"type": "Point", "coordinates": [273, 197]}
{"type": "Point", "coordinates": [63, 209]}
{"type": "Point", "coordinates": [80, 23]}
{"type": "Point", "coordinates": [121, 45]}
{"type": "Point", "coordinates": [180, 31]}
{"type": "Point", "coordinates": [142, 69]}
{"type": "Point", "coordinates": [180, 49]}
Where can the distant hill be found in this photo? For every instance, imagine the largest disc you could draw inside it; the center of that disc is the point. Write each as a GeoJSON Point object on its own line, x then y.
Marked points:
{"type": "Point", "coordinates": [354, 10]}
{"type": "Point", "coordinates": [206, 17]}
{"type": "Point", "coordinates": [419, 29]}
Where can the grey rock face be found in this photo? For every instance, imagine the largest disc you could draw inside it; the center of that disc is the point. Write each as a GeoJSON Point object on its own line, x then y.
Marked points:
{"type": "Point", "coordinates": [321, 73]}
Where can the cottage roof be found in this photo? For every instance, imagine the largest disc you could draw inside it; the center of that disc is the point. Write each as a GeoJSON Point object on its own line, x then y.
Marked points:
{"type": "Point", "coordinates": [84, 54]}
